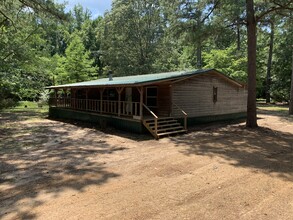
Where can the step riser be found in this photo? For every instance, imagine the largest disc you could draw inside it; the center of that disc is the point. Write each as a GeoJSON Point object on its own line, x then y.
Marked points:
{"type": "Point", "coordinates": [166, 126]}
{"type": "Point", "coordinates": [160, 120]}
{"type": "Point", "coordinates": [163, 122]}
{"type": "Point", "coordinates": [169, 129]}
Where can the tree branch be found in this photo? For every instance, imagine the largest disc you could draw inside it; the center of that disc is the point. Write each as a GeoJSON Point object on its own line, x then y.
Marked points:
{"type": "Point", "coordinates": [24, 41]}
{"type": "Point", "coordinates": [7, 18]}
{"type": "Point", "coordinates": [211, 11]}
{"type": "Point", "coordinates": [238, 22]}
{"type": "Point", "coordinates": [40, 6]}
{"type": "Point", "coordinates": [273, 9]}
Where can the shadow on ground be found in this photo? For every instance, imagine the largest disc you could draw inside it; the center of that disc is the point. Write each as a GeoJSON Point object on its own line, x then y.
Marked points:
{"type": "Point", "coordinates": [47, 157]}
{"type": "Point", "coordinates": [263, 150]}
{"type": "Point", "coordinates": [107, 130]}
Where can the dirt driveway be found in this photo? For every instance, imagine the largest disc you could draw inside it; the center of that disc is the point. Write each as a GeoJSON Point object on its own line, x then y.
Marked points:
{"type": "Point", "coordinates": [56, 170]}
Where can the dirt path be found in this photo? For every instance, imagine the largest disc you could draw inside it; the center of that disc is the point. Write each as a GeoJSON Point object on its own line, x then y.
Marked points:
{"type": "Point", "coordinates": [57, 170]}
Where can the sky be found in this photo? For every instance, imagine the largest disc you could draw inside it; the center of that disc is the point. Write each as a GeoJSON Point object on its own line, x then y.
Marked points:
{"type": "Point", "coordinates": [97, 7]}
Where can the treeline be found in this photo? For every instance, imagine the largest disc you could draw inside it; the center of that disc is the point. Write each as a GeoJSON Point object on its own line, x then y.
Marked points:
{"type": "Point", "coordinates": [41, 45]}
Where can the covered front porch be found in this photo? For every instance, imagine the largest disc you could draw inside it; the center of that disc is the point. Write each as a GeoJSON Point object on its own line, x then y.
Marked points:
{"type": "Point", "coordinates": [149, 107]}
{"type": "Point", "coordinates": [137, 103]}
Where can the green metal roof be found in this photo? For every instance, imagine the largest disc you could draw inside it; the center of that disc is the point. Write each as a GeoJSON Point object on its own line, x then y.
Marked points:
{"type": "Point", "coordinates": [133, 80]}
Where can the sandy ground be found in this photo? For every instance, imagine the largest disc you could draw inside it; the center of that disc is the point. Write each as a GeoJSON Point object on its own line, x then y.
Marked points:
{"type": "Point", "coordinates": [57, 170]}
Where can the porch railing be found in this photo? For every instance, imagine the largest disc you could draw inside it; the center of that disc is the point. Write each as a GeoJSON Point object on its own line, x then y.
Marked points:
{"type": "Point", "coordinates": [155, 118]}
{"type": "Point", "coordinates": [184, 115]}
{"type": "Point", "coordinates": [124, 108]}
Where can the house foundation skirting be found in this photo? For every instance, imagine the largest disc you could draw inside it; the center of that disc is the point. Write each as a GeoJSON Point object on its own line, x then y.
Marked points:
{"type": "Point", "coordinates": [132, 125]}
{"type": "Point", "coordinates": [191, 121]}
{"type": "Point", "coordinates": [102, 121]}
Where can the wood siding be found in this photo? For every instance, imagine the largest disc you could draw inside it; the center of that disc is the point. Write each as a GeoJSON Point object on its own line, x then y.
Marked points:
{"type": "Point", "coordinates": [195, 96]}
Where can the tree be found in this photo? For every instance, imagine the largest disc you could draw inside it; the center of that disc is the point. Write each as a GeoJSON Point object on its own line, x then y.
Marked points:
{"type": "Point", "coordinates": [269, 64]}
{"type": "Point", "coordinates": [227, 62]}
{"type": "Point", "coordinates": [252, 14]}
{"type": "Point", "coordinates": [291, 91]}
{"type": "Point", "coordinates": [133, 31]}
{"type": "Point", "coordinates": [251, 120]}
{"type": "Point", "coordinates": [192, 21]}
{"type": "Point", "coordinates": [79, 15]}
{"type": "Point", "coordinates": [76, 66]}
{"type": "Point", "coordinates": [252, 19]}
{"type": "Point", "coordinates": [24, 58]}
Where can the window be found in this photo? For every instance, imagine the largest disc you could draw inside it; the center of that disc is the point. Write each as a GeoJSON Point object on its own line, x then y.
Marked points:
{"type": "Point", "coordinates": [151, 96]}
{"type": "Point", "coordinates": [215, 94]}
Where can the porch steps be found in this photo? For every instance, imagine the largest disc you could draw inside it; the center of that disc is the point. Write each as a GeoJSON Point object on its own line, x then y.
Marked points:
{"type": "Point", "coordinates": [166, 126]}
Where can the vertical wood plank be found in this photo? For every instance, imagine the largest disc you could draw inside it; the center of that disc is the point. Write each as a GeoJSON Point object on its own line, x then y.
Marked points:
{"type": "Point", "coordinates": [140, 90]}
{"type": "Point", "coordinates": [101, 99]}
{"type": "Point", "coordinates": [119, 90]}
{"type": "Point", "coordinates": [86, 99]}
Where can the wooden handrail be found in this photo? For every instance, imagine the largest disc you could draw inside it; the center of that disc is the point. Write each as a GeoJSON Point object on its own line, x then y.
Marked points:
{"type": "Point", "coordinates": [150, 111]}
{"type": "Point", "coordinates": [184, 113]}
{"type": "Point", "coordinates": [155, 116]}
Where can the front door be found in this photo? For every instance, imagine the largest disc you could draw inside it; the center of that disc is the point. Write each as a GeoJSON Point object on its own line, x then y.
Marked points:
{"type": "Point", "coordinates": [152, 98]}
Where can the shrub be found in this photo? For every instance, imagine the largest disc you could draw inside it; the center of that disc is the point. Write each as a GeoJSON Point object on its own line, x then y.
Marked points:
{"type": "Point", "coordinates": [7, 103]}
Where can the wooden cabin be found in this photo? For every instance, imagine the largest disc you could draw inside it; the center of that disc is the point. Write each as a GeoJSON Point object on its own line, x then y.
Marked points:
{"type": "Point", "coordinates": [162, 103]}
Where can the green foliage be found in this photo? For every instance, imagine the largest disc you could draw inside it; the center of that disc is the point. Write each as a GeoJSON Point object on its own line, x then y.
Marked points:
{"type": "Point", "coordinates": [7, 103]}
{"type": "Point", "coordinates": [282, 67]}
{"type": "Point", "coordinates": [133, 31]}
{"type": "Point", "coordinates": [229, 61]}
{"type": "Point", "coordinates": [44, 97]}
{"type": "Point", "coordinates": [24, 57]}
{"type": "Point", "coordinates": [76, 66]}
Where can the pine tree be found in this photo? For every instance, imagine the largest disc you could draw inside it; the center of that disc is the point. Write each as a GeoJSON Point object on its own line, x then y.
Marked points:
{"type": "Point", "coordinates": [78, 66]}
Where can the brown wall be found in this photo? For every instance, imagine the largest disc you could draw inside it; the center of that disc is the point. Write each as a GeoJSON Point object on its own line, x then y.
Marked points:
{"type": "Point", "coordinates": [195, 96]}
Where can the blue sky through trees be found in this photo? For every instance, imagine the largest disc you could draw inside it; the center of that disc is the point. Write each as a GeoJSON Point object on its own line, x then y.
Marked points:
{"type": "Point", "coordinates": [97, 7]}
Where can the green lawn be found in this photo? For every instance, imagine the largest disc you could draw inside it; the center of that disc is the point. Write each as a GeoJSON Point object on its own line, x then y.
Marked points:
{"type": "Point", "coordinates": [28, 106]}
{"type": "Point", "coordinates": [273, 108]}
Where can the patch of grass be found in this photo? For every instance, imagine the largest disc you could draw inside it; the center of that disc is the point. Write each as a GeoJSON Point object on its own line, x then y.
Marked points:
{"type": "Point", "coordinates": [27, 106]}
{"type": "Point", "coordinates": [273, 108]}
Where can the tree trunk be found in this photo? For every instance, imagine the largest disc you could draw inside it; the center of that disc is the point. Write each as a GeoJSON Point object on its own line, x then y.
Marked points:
{"type": "Point", "coordinates": [199, 44]}
{"type": "Point", "coordinates": [291, 91]}
{"type": "Point", "coordinates": [198, 55]}
{"type": "Point", "coordinates": [251, 120]}
{"type": "Point", "coordinates": [269, 64]}
{"type": "Point", "coordinates": [238, 36]}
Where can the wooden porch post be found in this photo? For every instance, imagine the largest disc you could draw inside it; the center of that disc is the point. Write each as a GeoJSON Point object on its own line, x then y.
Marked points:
{"type": "Point", "coordinates": [65, 98]}
{"type": "Point", "coordinates": [73, 98]}
{"type": "Point", "coordinates": [86, 99]}
{"type": "Point", "coordinates": [101, 99]}
{"type": "Point", "coordinates": [171, 101]}
{"type": "Point", "coordinates": [56, 96]}
{"type": "Point", "coordinates": [119, 90]}
{"type": "Point", "coordinates": [140, 90]}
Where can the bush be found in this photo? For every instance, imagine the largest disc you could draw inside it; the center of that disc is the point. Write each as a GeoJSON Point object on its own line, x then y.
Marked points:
{"type": "Point", "coordinates": [280, 95]}
{"type": "Point", "coordinates": [44, 98]}
{"type": "Point", "coordinates": [7, 103]}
